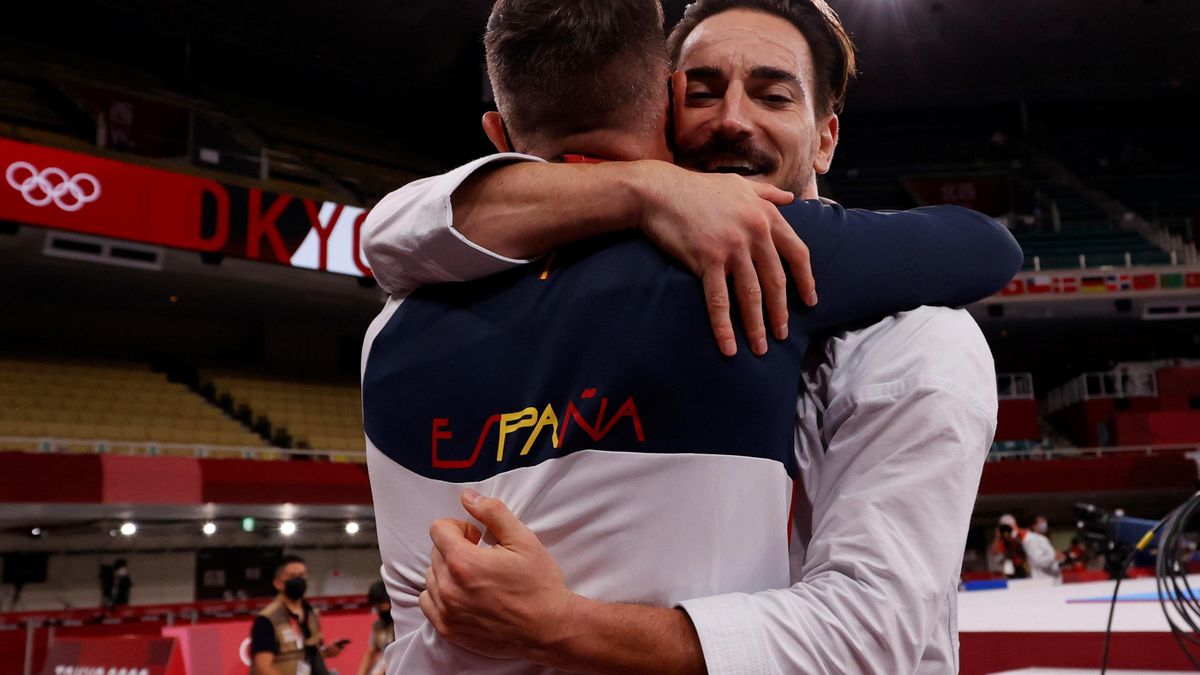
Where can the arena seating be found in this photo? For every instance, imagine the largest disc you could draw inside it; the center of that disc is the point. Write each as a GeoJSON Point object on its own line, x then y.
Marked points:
{"type": "Point", "coordinates": [1132, 405]}
{"type": "Point", "coordinates": [126, 406]}
{"type": "Point", "coordinates": [318, 415]}
{"type": "Point", "coordinates": [885, 164]}
{"type": "Point", "coordinates": [1089, 245]}
{"type": "Point", "coordinates": [1150, 168]}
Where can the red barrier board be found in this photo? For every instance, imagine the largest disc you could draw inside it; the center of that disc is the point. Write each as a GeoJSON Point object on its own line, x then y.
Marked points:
{"type": "Point", "coordinates": [95, 479]}
{"type": "Point", "coordinates": [1017, 420]}
{"type": "Point", "coordinates": [125, 655]}
{"type": "Point", "coordinates": [177, 480]}
{"type": "Point", "coordinates": [1120, 473]}
{"type": "Point", "coordinates": [63, 190]}
{"type": "Point", "coordinates": [981, 653]}
{"type": "Point", "coordinates": [224, 648]}
{"type": "Point", "coordinates": [1161, 427]}
{"type": "Point", "coordinates": [29, 477]}
{"type": "Point", "coordinates": [1180, 382]}
{"type": "Point", "coordinates": [248, 481]}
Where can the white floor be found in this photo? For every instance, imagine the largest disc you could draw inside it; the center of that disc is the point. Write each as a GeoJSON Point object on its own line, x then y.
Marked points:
{"type": "Point", "coordinates": [1039, 606]}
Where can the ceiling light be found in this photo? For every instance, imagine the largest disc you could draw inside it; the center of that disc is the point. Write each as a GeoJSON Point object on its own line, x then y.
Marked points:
{"type": "Point", "coordinates": [287, 528]}
{"type": "Point", "coordinates": [128, 529]}
{"type": "Point", "coordinates": [352, 527]}
{"type": "Point", "coordinates": [209, 529]}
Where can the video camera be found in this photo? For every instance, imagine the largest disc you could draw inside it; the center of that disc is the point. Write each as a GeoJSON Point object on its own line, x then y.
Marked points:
{"type": "Point", "coordinates": [1114, 535]}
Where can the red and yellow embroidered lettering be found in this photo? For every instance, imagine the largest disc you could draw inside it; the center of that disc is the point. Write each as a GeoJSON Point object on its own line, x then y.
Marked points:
{"type": "Point", "coordinates": [513, 424]}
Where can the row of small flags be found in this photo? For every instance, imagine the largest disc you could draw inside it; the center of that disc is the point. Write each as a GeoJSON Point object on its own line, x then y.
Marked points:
{"type": "Point", "coordinates": [1100, 283]}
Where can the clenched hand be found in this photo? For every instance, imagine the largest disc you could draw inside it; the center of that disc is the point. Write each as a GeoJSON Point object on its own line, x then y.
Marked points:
{"type": "Point", "coordinates": [503, 601]}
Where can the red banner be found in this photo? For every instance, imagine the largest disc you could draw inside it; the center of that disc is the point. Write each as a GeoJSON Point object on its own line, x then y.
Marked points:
{"type": "Point", "coordinates": [65, 190]}
{"type": "Point", "coordinates": [224, 648]}
{"type": "Point", "coordinates": [131, 655]}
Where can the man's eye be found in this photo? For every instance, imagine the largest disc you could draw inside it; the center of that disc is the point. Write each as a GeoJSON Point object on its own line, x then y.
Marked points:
{"type": "Point", "coordinates": [777, 98]}
{"type": "Point", "coordinates": [700, 95]}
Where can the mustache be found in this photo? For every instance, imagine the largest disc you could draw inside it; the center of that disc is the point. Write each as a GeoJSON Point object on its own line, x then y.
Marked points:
{"type": "Point", "coordinates": [720, 146]}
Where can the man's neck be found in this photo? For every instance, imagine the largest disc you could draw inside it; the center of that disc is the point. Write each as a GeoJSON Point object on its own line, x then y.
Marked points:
{"type": "Point", "coordinates": [606, 144]}
{"type": "Point", "coordinates": [294, 606]}
{"type": "Point", "coordinates": [809, 189]}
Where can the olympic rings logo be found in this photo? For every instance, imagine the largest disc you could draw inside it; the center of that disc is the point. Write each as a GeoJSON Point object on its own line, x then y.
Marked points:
{"type": "Point", "coordinates": [39, 188]}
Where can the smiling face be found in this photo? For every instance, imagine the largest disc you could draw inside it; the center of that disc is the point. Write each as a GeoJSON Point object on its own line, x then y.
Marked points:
{"type": "Point", "coordinates": [750, 105]}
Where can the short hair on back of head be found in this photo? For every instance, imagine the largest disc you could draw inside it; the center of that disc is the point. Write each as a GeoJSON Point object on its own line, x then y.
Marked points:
{"type": "Point", "coordinates": [831, 47]}
{"type": "Point", "coordinates": [560, 68]}
{"type": "Point", "coordinates": [285, 561]}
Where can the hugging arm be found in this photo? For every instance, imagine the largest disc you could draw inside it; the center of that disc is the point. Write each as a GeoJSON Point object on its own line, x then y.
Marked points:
{"type": "Point", "coordinates": [872, 263]}
{"type": "Point", "coordinates": [409, 238]}
{"type": "Point", "coordinates": [499, 211]}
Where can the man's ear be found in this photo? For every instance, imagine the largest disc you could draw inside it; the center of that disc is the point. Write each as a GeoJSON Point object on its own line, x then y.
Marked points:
{"type": "Point", "coordinates": [823, 157]}
{"type": "Point", "coordinates": [493, 126]}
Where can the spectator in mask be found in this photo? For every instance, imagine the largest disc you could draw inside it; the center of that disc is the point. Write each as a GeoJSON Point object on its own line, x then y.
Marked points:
{"type": "Point", "coordinates": [286, 636]}
{"type": "Point", "coordinates": [1043, 559]}
{"type": "Point", "coordinates": [1041, 526]}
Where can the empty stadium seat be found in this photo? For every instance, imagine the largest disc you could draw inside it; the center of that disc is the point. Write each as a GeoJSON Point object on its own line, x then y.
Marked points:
{"type": "Point", "coordinates": [1100, 247]}
{"type": "Point", "coordinates": [321, 415]}
{"type": "Point", "coordinates": [128, 407]}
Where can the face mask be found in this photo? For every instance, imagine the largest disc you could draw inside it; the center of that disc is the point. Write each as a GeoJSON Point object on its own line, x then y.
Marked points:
{"type": "Point", "coordinates": [295, 587]}
{"type": "Point", "coordinates": [385, 615]}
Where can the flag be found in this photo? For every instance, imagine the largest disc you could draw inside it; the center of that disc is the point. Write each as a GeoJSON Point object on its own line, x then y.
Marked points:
{"type": "Point", "coordinates": [1173, 280]}
{"type": "Point", "coordinates": [1143, 282]}
{"type": "Point", "coordinates": [1014, 287]}
{"type": "Point", "coordinates": [1039, 284]}
{"type": "Point", "coordinates": [1093, 285]}
{"type": "Point", "coordinates": [1117, 282]}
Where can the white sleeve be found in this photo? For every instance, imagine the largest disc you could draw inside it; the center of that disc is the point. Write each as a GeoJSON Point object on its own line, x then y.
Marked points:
{"type": "Point", "coordinates": [409, 239]}
{"type": "Point", "coordinates": [900, 468]}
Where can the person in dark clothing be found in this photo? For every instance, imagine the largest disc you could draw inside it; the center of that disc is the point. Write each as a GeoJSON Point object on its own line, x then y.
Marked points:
{"type": "Point", "coordinates": [285, 638]}
{"type": "Point", "coordinates": [115, 584]}
{"type": "Point", "coordinates": [1014, 554]}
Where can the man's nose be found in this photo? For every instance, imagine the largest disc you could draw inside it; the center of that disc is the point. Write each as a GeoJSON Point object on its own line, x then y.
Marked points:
{"type": "Point", "coordinates": [733, 121]}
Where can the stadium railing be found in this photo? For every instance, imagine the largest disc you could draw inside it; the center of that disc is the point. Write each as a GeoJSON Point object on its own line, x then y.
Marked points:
{"type": "Point", "coordinates": [149, 448]}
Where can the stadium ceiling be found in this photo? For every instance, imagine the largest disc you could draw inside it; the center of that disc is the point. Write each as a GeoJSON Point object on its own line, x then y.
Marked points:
{"type": "Point", "coordinates": [416, 66]}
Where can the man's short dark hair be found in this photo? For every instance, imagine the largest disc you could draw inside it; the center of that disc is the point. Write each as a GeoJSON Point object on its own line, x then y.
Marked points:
{"type": "Point", "coordinates": [285, 561]}
{"type": "Point", "coordinates": [831, 47]}
{"type": "Point", "coordinates": [560, 68]}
